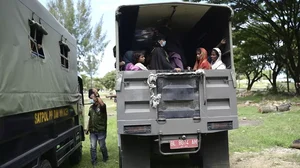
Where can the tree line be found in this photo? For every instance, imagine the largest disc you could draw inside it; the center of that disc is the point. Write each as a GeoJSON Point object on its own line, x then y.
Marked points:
{"type": "Point", "coordinates": [91, 40]}
{"type": "Point", "coordinates": [266, 35]}
{"type": "Point", "coordinates": [105, 83]}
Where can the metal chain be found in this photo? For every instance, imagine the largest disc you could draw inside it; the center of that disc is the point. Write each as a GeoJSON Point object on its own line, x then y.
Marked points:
{"type": "Point", "coordinates": [154, 99]}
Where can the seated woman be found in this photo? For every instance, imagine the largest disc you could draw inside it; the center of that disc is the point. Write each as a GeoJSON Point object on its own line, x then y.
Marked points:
{"type": "Point", "coordinates": [174, 50]}
{"type": "Point", "coordinates": [159, 57]}
{"type": "Point", "coordinates": [201, 60]}
{"type": "Point", "coordinates": [216, 59]}
{"type": "Point", "coordinates": [221, 46]}
{"type": "Point", "coordinates": [128, 60]}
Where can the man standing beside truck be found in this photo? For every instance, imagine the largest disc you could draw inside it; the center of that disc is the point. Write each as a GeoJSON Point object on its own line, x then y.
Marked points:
{"type": "Point", "coordinates": [97, 126]}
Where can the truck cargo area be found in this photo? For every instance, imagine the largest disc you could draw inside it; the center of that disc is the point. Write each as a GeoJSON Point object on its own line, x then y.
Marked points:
{"type": "Point", "coordinates": [208, 100]}
{"type": "Point", "coordinates": [187, 26]}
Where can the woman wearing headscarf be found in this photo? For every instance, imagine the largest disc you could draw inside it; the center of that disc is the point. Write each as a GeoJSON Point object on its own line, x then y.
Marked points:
{"type": "Point", "coordinates": [159, 57]}
{"type": "Point", "coordinates": [175, 52]}
{"type": "Point", "coordinates": [216, 59]}
{"type": "Point", "coordinates": [128, 60]}
{"type": "Point", "coordinates": [201, 60]}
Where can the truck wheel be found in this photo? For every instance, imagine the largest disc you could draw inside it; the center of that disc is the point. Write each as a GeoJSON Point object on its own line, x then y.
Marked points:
{"type": "Point", "coordinates": [120, 158]}
{"type": "Point", "coordinates": [45, 164]}
{"type": "Point", "coordinates": [76, 157]}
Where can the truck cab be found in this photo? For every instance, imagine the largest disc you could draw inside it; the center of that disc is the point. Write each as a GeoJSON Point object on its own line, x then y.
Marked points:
{"type": "Point", "coordinates": [41, 107]}
{"type": "Point", "coordinates": [175, 113]}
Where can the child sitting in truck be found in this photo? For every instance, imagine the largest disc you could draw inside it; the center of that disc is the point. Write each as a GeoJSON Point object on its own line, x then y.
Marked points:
{"type": "Point", "coordinates": [201, 60]}
{"type": "Point", "coordinates": [137, 62]}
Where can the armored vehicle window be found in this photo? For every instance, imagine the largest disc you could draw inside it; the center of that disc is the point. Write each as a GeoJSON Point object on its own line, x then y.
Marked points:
{"type": "Point", "coordinates": [64, 49]}
{"type": "Point", "coordinates": [36, 38]}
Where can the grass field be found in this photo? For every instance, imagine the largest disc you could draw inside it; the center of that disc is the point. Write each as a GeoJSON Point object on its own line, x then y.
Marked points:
{"type": "Point", "coordinates": [264, 84]}
{"type": "Point", "coordinates": [266, 131]}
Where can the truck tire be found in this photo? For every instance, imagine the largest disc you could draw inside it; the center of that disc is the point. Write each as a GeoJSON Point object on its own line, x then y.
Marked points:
{"type": "Point", "coordinates": [196, 159]}
{"type": "Point", "coordinates": [76, 157]}
{"type": "Point", "coordinates": [45, 164]}
{"type": "Point", "coordinates": [120, 158]}
{"type": "Point", "coordinates": [135, 151]}
{"type": "Point", "coordinates": [214, 150]}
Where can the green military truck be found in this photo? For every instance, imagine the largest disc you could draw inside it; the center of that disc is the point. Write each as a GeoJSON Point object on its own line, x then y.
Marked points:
{"type": "Point", "coordinates": [175, 113]}
{"type": "Point", "coordinates": [41, 94]}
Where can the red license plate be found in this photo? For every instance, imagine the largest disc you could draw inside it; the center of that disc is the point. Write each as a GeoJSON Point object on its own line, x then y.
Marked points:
{"type": "Point", "coordinates": [188, 143]}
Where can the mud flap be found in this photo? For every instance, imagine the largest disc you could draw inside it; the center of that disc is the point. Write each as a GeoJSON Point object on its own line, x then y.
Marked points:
{"type": "Point", "coordinates": [135, 151]}
{"type": "Point", "coordinates": [214, 150]}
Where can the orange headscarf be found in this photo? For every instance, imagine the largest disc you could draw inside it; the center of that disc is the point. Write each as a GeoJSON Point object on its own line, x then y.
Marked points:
{"type": "Point", "coordinates": [202, 63]}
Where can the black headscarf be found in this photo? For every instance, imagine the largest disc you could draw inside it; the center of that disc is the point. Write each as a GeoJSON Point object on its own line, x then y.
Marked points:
{"type": "Point", "coordinates": [159, 57]}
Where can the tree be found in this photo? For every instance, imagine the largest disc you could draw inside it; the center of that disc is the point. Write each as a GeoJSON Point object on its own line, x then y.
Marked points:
{"type": "Point", "coordinates": [90, 40]}
{"type": "Point", "coordinates": [85, 81]}
{"type": "Point", "coordinates": [98, 83]}
{"type": "Point", "coordinates": [250, 66]}
{"type": "Point", "coordinates": [108, 81]}
{"type": "Point", "coordinates": [282, 17]}
{"type": "Point", "coordinates": [90, 66]}
{"type": "Point", "coordinates": [269, 46]}
{"type": "Point", "coordinates": [251, 56]}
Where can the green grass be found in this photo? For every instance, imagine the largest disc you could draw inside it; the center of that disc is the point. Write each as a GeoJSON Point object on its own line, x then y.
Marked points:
{"type": "Point", "coordinates": [259, 96]}
{"type": "Point", "coordinates": [111, 140]}
{"type": "Point", "coordinates": [264, 84]}
{"type": "Point", "coordinates": [275, 129]}
{"type": "Point", "coordinates": [112, 147]}
{"type": "Point", "coordinates": [256, 85]}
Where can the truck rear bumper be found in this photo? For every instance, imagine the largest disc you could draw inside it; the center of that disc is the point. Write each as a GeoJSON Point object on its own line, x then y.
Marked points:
{"type": "Point", "coordinates": [176, 126]}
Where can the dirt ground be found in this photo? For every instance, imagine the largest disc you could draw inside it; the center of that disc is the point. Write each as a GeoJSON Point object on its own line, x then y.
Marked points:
{"type": "Point", "coordinates": [275, 158]}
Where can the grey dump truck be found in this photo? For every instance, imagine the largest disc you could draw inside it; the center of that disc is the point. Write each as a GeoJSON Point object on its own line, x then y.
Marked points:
{"type": "Point", "coordinates": [162, 113]}
{"type": "Point", "coordinates": [41, 94]}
